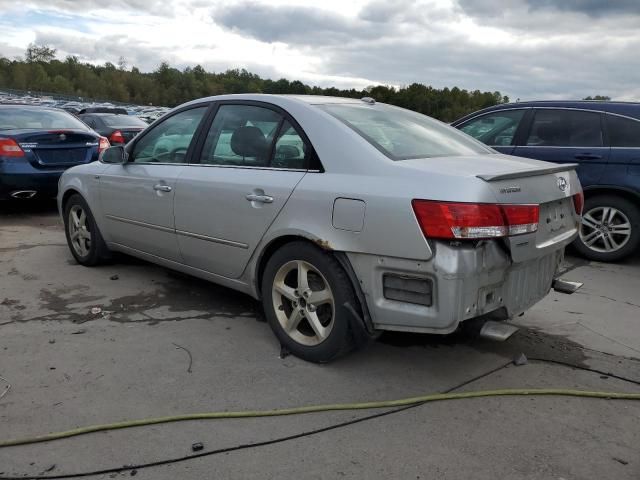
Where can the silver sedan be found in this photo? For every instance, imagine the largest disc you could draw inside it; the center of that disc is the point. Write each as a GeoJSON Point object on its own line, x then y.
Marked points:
{"type": "Point", "coordinates": [345, 217]}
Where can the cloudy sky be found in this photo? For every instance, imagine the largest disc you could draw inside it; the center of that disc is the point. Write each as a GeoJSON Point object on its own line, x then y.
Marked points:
{"type": "Point", "coordinates": [526, 49]}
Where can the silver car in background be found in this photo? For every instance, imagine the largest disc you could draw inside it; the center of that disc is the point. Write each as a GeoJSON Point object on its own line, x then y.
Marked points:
{"type": "Point", "coordinates": [344, 216]}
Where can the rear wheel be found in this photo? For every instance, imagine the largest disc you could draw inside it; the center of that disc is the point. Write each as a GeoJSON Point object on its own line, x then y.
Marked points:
{"type": "Point", "coordinates": [304, 292]}
{"type": "Point", "coordinates": [83, 237]}
{"type": "Point", "coordinates": [610, 228]}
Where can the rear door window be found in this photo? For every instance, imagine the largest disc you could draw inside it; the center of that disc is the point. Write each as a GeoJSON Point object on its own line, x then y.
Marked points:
{"type": "Point", "coordinates": [565, 128]}
{"type": "Point", "coordinates": [495, 128]}
{"type": "Point", "coordinates": [241, 135]}
{"type": "Point", "coordinates": [623, 132]}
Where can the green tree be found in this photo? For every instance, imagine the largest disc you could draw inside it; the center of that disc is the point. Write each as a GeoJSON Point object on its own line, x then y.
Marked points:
{"type": "Point", "coordinates": [39, 53]}
{"type": "Point", "coordinates": [597, 97]}
{"type": "Point", "coordinates": [169, 86]}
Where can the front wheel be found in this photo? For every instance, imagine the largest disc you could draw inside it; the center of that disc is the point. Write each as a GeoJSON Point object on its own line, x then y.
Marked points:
{"type": "Point", "coordinates": [610, 229]}
{"type": "Point", "coordinates": [304, 293]}
{"type": "Point", "coordinates": [83, 236]}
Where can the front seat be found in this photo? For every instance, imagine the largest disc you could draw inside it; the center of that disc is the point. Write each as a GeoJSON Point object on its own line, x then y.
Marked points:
{"type": "Point", "coordinates": [250, 142]}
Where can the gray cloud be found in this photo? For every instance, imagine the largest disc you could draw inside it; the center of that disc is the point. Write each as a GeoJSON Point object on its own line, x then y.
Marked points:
{"type": "Point", "coordinates": [591, 8]}
{"type": "Point", "coordinates": [549, 52]}
{"type": "Point", "coordinates": [108, 48]}
{"type": "Point", "coordinates": [157, 7]}
{"type": "Point", "coordinates": [300, 25]}
{"type": "Point", "coordinates": [9, 51]}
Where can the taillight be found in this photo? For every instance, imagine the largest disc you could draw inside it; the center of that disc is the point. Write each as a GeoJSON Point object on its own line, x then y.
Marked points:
{"type": "Point", "coordinates": [117, 137]}
{"type": "Point", "coordinates": [9, 148]}
{"type": "Point", "coordinates": [104, 144]}
{"type": "Point", "coordinates": [474, 220]}
{"type": "Point", "coordinates": [578, 202]}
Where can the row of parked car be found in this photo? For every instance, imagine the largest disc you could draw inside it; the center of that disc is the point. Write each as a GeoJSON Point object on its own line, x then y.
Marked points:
{"type": "Point", "coordinates": [603, 138]}
{"type": "Point", "coordinates": [146, 113]}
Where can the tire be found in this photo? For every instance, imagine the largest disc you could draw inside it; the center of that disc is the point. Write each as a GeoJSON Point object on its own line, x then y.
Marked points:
{"type": "Point", "coordinates": [86, 244]}
{"type": "Point", "coordinates": [603, 235]}
{"type": "Point", "coordinates": [328, 284]}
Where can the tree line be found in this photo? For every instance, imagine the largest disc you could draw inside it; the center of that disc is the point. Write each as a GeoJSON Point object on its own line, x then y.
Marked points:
{"type": "Point", "coordinates": [40, 70]}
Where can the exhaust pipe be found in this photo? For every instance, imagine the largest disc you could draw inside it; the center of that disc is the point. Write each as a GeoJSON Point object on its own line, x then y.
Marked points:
{"type": "Point", "coordinates": [23, 194]}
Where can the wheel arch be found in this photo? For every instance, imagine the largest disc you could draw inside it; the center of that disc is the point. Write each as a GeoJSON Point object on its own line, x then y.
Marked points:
{"type": "Point", "coordinates": [359, 312]}
{"type": "Point", "coordinates": [274, 245]}
{"type": "Point", "coordinates": [627, 193]}
{"type": "Point", "coordinates": [66, 196]}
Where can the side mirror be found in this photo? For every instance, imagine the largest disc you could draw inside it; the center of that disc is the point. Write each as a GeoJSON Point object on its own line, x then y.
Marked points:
{"type": "Point", "coordinates": [115, 154]}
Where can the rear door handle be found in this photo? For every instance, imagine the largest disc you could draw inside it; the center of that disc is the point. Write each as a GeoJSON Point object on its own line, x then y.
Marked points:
{"type": "Point", "coordinates": [587, 156]}
{"type": "Point", "coordinates": [162, 188]}
{"type": "Point", "coordinates": [254, 197]}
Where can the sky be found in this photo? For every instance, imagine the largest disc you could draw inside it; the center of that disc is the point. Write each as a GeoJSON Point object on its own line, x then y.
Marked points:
{"type": "Point", "coordinates": [527, 49]}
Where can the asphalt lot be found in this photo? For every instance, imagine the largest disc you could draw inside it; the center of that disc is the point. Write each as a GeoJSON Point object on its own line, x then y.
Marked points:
{"type": "Point", "coordinates": [69, 367]}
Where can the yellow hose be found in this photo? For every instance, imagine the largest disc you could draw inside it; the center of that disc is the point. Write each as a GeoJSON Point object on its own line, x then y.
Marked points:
{"type": "Point", "coordinates": [322, 408]}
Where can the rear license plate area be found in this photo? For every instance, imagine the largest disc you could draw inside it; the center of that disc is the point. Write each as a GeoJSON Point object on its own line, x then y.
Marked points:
{"type": "Point", "coordinates": [556, 218]}
{"type": "Point", "coordinates": [60, 156]}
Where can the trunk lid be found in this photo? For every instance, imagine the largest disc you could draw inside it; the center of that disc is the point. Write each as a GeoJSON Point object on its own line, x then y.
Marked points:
{"type": "Point", "coordinates": [57, 148]}
{"type": "Point", "coordinates": [515, 180]}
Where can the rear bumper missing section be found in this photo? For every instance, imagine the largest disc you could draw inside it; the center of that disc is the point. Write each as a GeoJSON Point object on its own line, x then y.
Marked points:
{"type": "Point", "coordinates": [466, 281]}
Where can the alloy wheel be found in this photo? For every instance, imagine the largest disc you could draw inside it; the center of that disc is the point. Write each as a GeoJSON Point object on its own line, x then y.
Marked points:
{"type": "Point", "coordinates": [78, 231]}
{"type": "Point", "coordinates": [605, 229]}
{"type": "Point", "coordinates": [303, 302]}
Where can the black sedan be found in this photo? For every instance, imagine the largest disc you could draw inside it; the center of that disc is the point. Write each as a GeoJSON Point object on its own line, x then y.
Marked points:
{"type": "Point", "coordinates": [117, 127]}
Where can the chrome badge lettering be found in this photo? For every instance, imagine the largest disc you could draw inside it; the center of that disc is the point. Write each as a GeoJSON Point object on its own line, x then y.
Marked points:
{"type": "Point", "coordinates": [510, 190]}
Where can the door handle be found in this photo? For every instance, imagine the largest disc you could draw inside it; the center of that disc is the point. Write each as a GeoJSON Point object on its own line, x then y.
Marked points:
{"type": "Point", "coordinates": [587, 156]}
{"type": "Point", "coordinates": [162, 188]}
{"type": "Point", "coordinates": [254, 197]}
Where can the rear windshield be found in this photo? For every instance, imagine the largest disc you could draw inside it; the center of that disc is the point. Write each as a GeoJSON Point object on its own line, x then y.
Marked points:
{"type": "Point", "coordinates": [36, 119]}
{"type": "Point", "coordinates": [402, 134]}
{"type": "Point", "coordinates": [122, 121]}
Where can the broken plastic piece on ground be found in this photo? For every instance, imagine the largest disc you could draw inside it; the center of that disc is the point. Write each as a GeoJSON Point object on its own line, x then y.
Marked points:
{"type": "Point", "coordinates": [520, 360]}
{"type": "Point", "coordinates": [565, 286]}
{"type": "Point", "coordinates": [499, 331]}
{"type": "Point", "coordinates": [284, 353]}
{"type": "Point", "coordinates": [96, 311]}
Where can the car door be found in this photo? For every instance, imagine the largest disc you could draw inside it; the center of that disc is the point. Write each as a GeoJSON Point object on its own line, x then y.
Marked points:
{"type": "Point", "coordinates": [624, 162]}
{"type": "Point", "coordinates": [251, 159]}
{"type": "Point", "coordinates": [567, 136]}
{"type": "Point", "coordinates": [137, 197]}
{"type": "Point", "coordinates": [497, 129]}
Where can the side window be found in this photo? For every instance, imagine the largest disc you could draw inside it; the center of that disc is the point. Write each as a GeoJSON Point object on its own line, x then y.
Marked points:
{"type": "Point", "coordinates": [623, 132]}
{"type": "Point", "coordinates": [565, 128]}
{"type": "Point", "coordinates": [496, 128]}
{"type": "Point", "coordinates": [169, 141]}
{"type": "Point", "coordinates": [241, 135]}
{"type": "Point", "coordinates": [290, 151]}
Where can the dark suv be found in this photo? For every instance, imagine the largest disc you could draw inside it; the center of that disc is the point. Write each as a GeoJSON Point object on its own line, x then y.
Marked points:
{"type": "Point", "coordinates": [603, 138]}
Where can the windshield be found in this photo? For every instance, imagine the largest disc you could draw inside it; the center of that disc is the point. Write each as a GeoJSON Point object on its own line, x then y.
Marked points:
{"type": "Point", "coordinates": [123, 121]}
{"type": "Point", "coordinates": [402, 134]}
{"type": "Point", "coordinates": [37, 119]}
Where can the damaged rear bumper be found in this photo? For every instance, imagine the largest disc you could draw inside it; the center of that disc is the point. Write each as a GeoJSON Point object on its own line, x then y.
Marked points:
{"type": "Point", "coordinates": [458, 283]}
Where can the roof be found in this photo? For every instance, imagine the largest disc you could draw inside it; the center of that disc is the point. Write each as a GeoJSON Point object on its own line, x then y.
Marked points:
{"type": "Point", "coordinates": [629, 109]}
{"type": "Point", "coordinates": [279, 99]}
